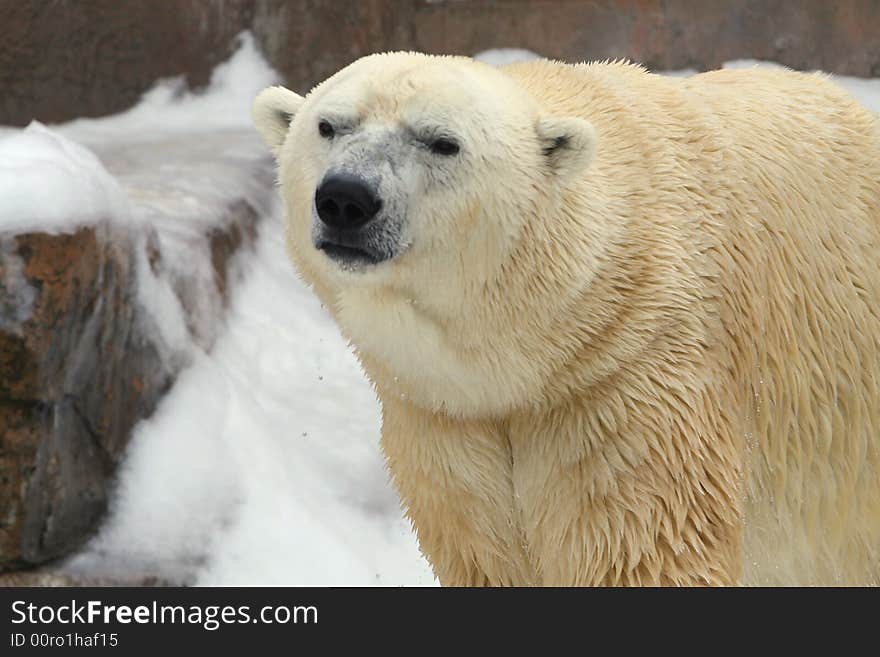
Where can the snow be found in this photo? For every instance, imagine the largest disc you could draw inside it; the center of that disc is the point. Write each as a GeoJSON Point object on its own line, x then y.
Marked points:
{"type": "Point", "coordinates": [19, 296]}
{"type": "Point", "coordinates": [81, 162]}
{"type": "Point", "coordinates": [52, 184]}
{"type": "Point", "coordinates": [181, 188]}
{"type": "Point", "coordinates": [170, 109]}
{"type": "Point", "coordinates": [262, 464]}
{"type": "Point", "coordinates": [503, 56]}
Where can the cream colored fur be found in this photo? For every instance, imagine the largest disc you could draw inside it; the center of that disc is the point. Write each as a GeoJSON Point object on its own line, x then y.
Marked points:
{"type": "Point", "coordinates": [648, 356]}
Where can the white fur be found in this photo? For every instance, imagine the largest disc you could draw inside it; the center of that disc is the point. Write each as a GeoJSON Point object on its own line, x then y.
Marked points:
{"type": "Point", "coordinates": [272, 111]}
{"type": "Point", "coordinates": [617, 345]}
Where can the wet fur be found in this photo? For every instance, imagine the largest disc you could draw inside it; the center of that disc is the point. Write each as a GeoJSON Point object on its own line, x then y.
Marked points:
{"type": "Point", "coordinates": [652, 358]}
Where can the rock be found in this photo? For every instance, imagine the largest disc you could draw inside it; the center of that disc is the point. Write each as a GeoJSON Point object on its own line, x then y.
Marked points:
{"type": "Point", "coordinates": [36, 578]}
{"type": "Point", "coordinates": [842, 37]}
{"type": "Point", "coordinates": [83, 357]}
{"type": "Point", "coordinates": [43, 577]}
{"type": "Point", "coordinates": [74, 377]}
{"type": "Point", "coordinates": [66, 59]}
{"type": "Point", "coordinates": [227, 241]}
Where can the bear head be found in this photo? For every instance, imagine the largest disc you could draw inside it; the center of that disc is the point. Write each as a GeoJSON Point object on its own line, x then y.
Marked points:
{"type": "Point", "coordinates": [409, 184]}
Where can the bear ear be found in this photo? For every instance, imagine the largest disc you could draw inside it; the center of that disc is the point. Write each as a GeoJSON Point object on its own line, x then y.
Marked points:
{"type": "Point", "coordinates": [569, 143]}
{"type": "Point", "coordinates": [272, 111]}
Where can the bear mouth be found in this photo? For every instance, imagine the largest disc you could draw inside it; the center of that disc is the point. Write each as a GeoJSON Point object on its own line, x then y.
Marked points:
{"type": "Point", "coordinates": [349, 255]}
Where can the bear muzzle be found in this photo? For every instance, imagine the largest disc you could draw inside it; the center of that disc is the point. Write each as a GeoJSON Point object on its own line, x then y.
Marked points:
{"type": "Point", "coordinates": [346, 202]}
{"type": "Point", "coordinates": [346, 205]}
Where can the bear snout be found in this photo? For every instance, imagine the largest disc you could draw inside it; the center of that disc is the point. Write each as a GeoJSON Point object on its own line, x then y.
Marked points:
{"type": "Point", "coordinates": [346, 205]}
{"type": "Point", "coordinates": [346, 202]}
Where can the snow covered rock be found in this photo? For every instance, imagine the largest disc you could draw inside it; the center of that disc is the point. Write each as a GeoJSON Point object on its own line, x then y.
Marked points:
{"type": "Point", "coordinates": [101, 304]}
{"type": "Point", "coordinates": [74, 376]}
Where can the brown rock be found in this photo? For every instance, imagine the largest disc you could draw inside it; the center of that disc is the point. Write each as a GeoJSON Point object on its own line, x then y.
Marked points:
{"type": "Point", "coordinates": [72, 384]}
{"type": "Point", "coordinates": [307, 41]}
{"type": "Point", "coordinates": [78, 371]}
{"type": "Point", "coordinates": [47, 577]}
{"type": "Point", "coordinates": [65, 58]}
{"type": "Point", "coordinates": [61, 59]}
{"type": "Point", "coordinates": [239, 231]}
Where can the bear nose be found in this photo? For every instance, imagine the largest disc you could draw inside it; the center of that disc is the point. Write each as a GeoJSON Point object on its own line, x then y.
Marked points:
{"type": "Point", "coordinates": [346, 201]}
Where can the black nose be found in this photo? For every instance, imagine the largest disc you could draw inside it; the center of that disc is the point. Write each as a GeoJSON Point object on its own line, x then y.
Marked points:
{"type": "Point", "coordinates": [346, 201]}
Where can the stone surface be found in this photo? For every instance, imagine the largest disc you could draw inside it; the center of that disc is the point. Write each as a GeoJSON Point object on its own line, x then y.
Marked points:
{"type": "Point", "coordinates": [77, 371]}
{"type": "Point", "coordinates": [47, 577]}
{"type": "Point", "coordinates": [841, 37]}
{"type": "Point", "coordinates": [62, 59]}
{"type": "Point", "coordinates": [73, 379]}
{"type": "Point", "coordinates": [224, 242]}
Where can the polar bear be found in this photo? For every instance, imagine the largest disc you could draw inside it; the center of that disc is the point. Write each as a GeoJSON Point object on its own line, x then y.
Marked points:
{"type": "Point", "coordinates": [624, 328]}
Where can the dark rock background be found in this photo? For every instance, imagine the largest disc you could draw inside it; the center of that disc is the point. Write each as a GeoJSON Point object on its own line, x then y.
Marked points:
{"type": "Point", "coordinates": [61, 59]}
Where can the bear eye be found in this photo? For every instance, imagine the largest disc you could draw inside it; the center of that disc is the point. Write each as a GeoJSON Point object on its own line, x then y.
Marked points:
{"type": "Point", "coordinates": [326, 130]}
{"type": "Point", "coordinates": [444, 147]}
